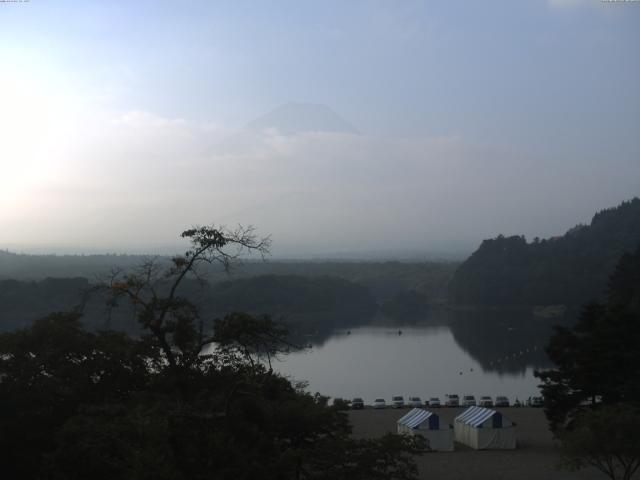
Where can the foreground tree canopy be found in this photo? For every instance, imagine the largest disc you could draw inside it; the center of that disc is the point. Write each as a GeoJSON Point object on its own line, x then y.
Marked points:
{"type": "Point", "coordinates": [172, 404]}
{"type": "Point", "coordinates": [592, 397]}
{"type": "Point", "coordinates": [598, 359]}
{"type": "Point", "coordinates": [605, 438]}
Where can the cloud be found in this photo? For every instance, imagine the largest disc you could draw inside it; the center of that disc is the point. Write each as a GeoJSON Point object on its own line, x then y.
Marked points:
{"type": "Point", "coordinates": [134, 180]}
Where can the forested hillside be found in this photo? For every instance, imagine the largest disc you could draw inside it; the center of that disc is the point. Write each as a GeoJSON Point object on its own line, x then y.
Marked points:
{"type": "Point", "coordinates": [21, 266]}
{"type": "Point", "coordinates": [21, 302]}
{"type": "Point", "coordinates": [384, 279]}
{"type": "Point", "coordinates": [306, 304]}
{"type": "Point", "coordinates": [569, 270]}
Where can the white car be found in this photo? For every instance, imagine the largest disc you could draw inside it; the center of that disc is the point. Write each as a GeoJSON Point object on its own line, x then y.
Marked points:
{"type": "Point", "coordinates": [397, 401]}
{"type": "Point", "coordinates": [486, 401]}
{"type": "Point", "coordinates": [434, 402]}
{"type": "Point", "coordinates": [452, 400]}
{"type": "Point", "coordinates": [414, 402]}
{"type": "Point", "coordinates": [379, 403]}
{"type": "Point", "coordinates": [468, 401]}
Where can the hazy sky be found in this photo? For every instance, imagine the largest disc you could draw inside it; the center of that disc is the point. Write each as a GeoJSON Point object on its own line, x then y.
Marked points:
{"type": "Point", "coordinates": [122, 123]}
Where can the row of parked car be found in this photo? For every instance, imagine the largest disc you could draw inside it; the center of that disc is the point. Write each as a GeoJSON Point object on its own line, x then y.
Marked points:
{"type": "Point", "coordinates": [451, 400]}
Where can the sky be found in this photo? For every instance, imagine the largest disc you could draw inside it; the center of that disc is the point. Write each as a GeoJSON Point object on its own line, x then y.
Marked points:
{"type": "Point", "coordinates": [123, 123]}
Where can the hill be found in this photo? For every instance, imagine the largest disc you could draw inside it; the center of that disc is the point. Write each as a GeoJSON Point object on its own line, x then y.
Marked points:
{"type": "Point", "coordinates": [20, 266]}
{"type": "Point", "coordinates": [384, 279]}
{"type": "Point", "coordinates": [306, 304]}
{"type": "Point", "coordinates": [21, 302]}
{"type": "Point", "coordinates": [569, 270]}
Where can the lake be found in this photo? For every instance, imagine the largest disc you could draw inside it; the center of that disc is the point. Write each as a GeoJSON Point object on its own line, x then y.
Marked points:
{"type": "Point", "coordinates": [449, 352]}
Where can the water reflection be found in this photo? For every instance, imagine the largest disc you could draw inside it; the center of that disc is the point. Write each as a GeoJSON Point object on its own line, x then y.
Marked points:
{"type": "Point", "coordinates": [482, 353]}
{"type": "Point", "coordinates": [504, 342]}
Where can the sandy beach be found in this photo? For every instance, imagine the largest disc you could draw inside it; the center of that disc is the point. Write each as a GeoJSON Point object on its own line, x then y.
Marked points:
{"type": "Point", "coordinates": [536, 457]}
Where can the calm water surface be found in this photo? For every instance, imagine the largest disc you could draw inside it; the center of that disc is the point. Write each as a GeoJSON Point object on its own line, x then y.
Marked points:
{"type": "Point", "coordinates": [468, 355]}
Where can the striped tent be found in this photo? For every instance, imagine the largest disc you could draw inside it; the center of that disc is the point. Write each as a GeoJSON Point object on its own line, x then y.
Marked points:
{"type": "Point", "coordinates": [484, 428]}
{"type": "Point", "coordinates": [439, 435]}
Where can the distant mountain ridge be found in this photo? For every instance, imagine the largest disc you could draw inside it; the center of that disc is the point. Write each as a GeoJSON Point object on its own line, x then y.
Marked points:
{"type": "Point", "coordinates": [571, 269]}
{"type": "Point", "coordinates": [294, 118]}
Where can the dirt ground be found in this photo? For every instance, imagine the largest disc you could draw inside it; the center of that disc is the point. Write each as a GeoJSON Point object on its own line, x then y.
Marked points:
{"type": "Point", "coordinates": [536, 457]}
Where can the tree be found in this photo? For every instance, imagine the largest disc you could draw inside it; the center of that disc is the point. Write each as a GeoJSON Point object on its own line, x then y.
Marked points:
{"type": "Point", "coordinates": [250, 338]}
{"type": "Point", "coordinates": [598, 359]}
{"type": "Point", "coordinates": [592, 397]}
{"type": "Point", "coordinates": [76, 404]}
{"type": "Point", "coordinates": [154, 290]}
{"type": "Point", "coordinates": [606, 439]}
{"type": "Point", "coordinates": [390, 456]}
{"type": "Point", "coordinates": [571, 269]}
{"type": "Point", "coordinates": [48, 372]}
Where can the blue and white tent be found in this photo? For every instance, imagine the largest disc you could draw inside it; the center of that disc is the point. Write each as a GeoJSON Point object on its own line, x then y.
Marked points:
{"type": "Point", "coordinates": [483, 428]}
{"type": "Point", "coordinates": [439, 435]}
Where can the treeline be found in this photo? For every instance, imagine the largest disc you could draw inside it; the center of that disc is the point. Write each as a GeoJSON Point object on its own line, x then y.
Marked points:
{"type": "Point", "coordinates": [384, 279]}
{"type": "Point", "coordinates": [311, 295]}
{"type": "Point", "coordinates": [569, 270]}
{"type": "Point", "coordinates": [78, 404]}
{"type": "Point", "coordinates": [305, 304]}
{"type": "Point", "coordinates": [593, 391]}
{"type": "Point", "coordinates": [407, 306]}
{"type": "Point", "coordinates": [317, 303]}
{"type": "Point", "coordinates": [21, 302]}
{"type": "Point", "coordinates": [20, 266]}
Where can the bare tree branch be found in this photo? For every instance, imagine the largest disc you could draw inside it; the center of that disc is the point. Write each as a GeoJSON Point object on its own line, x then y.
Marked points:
{"type": "Point", "coordinates": [174, 321]}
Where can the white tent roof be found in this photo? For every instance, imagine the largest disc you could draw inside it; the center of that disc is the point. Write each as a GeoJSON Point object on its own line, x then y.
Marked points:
{"type": "Point", "coordinates": [415, 417]}
{"type": "Point", "coordinates": [483, 428]}
{"type": "Point", "coordinates": [475, 416]}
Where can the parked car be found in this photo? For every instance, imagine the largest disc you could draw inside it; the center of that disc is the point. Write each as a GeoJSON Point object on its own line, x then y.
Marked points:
{"type": "Point", "coordinates": [486, 401]}
{"type": "Point", "coordinates": [357, 403]}
{"type": "Point", "coordinates": [397, 401]}
{"type": "Point", "coordinates": [433, 402]}
{"type": "Point", "coordinates": [414, 402]}
{"type": "Point", "coordinates": [452, 400]}
{"type": "Point", "coordinates": [468, 401]}
{"type": "Point", "coordinates": [535, 402]}
{"type": "Point", "coordinates": [502, 401]}
{"type": "Point", "coordinates": [379, 403]}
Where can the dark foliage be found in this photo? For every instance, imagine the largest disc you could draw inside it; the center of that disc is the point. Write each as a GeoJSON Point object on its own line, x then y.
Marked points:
{"type": "Point", "coordinates": [172, 404]}
{"type": "Point", "coordinates": [306, 304]}
{"type": "Point", "coordinates": [598, 360]}
{"type": "Point", "coordinates": [383, 279]}
{"type": "Point", "coordinates": [604, 438]}
{"type": "Point", "coordinates": [592, 397]}
{"type": "Point", "coordinates": [76, 405]}
{"type": "Point", "coordinates": [23, 301]}
{"type": "Point", "coordinates": [406, 305]}
{"type": "Point", "coordinates": [48, 372]}
{"type": "Point", "coordinates": [570, 270]}
{"type": "Point", "coordinates": [303, 303]}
